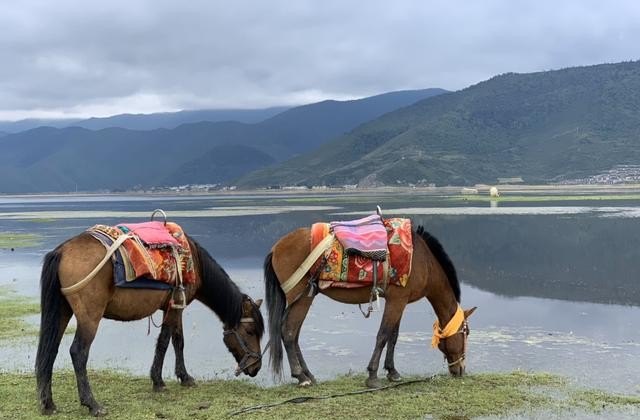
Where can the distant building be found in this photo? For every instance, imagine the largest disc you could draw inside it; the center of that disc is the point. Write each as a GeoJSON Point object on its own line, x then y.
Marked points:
{"type": "Point", "coordinates": [493, 192]}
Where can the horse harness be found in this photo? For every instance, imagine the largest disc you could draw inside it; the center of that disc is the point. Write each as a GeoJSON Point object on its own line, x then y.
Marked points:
{"type": "Point", "coordinates": [248, 353]}
{"type": "Point", "coordinates": [464, 330]}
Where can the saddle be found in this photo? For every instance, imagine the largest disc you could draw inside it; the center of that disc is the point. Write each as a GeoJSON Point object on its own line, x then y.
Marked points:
{"type": "Point", "coordinates": [346, 263]}
{"type": "Point", "coordinates": [153, 234]}
{"type": "Point", "coordinates": [366, 237]}
{"type": "Point", "coordinates": [155, 256]}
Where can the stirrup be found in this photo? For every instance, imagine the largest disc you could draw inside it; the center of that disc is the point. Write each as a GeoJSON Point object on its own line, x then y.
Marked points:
{"type": "Point", "coordinates": [182, 303]}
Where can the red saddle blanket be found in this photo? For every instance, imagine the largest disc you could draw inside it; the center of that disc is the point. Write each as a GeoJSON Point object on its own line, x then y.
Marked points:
{"type": "Point", "coordinates": [154, 255]}
{"type": "Point", "coordinates": [350, 270]}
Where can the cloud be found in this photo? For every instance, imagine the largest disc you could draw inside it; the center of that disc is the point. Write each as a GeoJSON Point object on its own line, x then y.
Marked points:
{"type": "Point", "coordinates": [99, 58]}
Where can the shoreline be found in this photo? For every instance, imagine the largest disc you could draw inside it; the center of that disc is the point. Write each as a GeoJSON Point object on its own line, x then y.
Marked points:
{"type": "Point", "coordinates": [435, 191]}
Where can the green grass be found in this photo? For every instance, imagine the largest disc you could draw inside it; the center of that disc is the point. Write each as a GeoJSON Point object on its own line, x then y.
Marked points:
{"type": "Point", "coordinates": [128, 397]}
{"type": "Point", "coordinates": [13, 308]}
{"type": "Point", "coordinates": [18, 240]}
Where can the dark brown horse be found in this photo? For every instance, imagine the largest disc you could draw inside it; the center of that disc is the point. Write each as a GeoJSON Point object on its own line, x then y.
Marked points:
{"type": "Point", "coordinates": [432, 276]}
{"type": "Point", "coordinates": [74, 259]}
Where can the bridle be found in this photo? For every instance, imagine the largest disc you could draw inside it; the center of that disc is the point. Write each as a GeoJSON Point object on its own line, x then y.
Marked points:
{"type": "Point", "coordinates": [464, 330]}
{"type": "Point", "coordinates": [248, 353]}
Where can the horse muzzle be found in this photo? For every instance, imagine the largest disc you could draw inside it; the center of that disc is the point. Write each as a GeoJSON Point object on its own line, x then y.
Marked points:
{"type": "Point", "coordinates": [457, 367]}
{"type": "Point", "coordinates": [250, 370]}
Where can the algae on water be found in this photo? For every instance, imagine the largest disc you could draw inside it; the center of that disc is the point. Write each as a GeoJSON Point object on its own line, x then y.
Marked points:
{"type": "Point", "coordinates": [10, 240]}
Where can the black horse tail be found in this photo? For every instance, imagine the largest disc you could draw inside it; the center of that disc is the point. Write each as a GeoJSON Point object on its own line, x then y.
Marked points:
{"type": "Point", "coordinates": [52, 302]}
{"type": "Point", "coordinates": [276, 304]}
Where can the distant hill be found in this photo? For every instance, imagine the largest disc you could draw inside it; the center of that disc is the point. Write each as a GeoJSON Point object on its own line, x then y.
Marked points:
{"type": "Point", "coordinates": [63, 159]}
{"type": "Point", "coordinates": [31, 123]}
{"type": "Point", "coordinates": [543, 127]}
{"type": "Point", "coordinates": [174, 119]}
{"type": "Point", "coordinates": [148, 121]}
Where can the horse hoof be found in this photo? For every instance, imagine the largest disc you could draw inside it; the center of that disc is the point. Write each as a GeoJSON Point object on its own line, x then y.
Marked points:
{"type": "Point", "coordinates": [159, 388]}
{"type": "Point", "coordinates": [394, 377]}
{"type": "Point", "coordinates": [98, 411]}
{"type": "Point", "coordinates": [305, 383]}
{"type": "Point", "coordinates": [373, 383]}
{"type": "Point", "coordinates": [48, 409]}
{"type": "Point", "coordinates": [189, 382]}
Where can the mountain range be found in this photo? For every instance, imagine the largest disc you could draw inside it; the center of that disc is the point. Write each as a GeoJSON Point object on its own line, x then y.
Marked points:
{"type": "Point", "coordinates": [542, 127]}
{"type": "Point", "coordinates": [153, 121]}
{"type": "Point", "coordinates": [49, 159]}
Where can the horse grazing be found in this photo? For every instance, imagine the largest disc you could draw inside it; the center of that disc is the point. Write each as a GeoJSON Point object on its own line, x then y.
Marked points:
{"type": "Point", "coordinates": [70, 262]}
{"type": "Point", "coordinates": [432, 276]}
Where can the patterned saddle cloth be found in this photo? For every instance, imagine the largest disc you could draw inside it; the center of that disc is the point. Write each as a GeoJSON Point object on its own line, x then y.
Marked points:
{"type": "Point", "coordinates": [366, 237]}
{"type": "Point", "coordinates": [152, 257]}
{"type": "Point", "coordinates": [342, 269]}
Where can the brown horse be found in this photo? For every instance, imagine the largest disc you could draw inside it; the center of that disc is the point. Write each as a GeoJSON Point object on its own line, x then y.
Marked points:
{"type": "Point", "coordinates": [72, 260]}
{"type": "Point", "coordinates": [432, 276]}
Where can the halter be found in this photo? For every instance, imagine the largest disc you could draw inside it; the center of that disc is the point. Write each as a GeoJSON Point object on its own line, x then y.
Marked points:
{"type": "Point", "coordinates": [456, 325]}
{"type": "Point", "coordinates": [248, 353]}
{"type": "Point", "coordinates": [465, 331]}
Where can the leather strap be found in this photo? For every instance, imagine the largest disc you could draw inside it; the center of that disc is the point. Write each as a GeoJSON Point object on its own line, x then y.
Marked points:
{"type": "Point", "coordinates": [82, 283]}
{"type": "Point", "coordinates": [306, 265]}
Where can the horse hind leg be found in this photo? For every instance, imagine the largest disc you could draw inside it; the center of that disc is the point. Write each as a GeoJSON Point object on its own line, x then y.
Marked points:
{"type": "Point", "coordinates": [390, 319]}
{"type": "Point", "coordinates": [303, 364]}
{"type": "Point", "coordinates": [290, 333]}
{"type": "Point", "coordinates": [85, 334]}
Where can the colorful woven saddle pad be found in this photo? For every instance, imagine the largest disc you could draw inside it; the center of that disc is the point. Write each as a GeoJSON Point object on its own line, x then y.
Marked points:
{"type": "Point", "coordinates": [366, 237]}
{"type": "Point", "coordinates": [157, 254]}
{"type": "Point", "coordinates": [342, 269]}
{"type": "Point", "coordinates": [153, 234]}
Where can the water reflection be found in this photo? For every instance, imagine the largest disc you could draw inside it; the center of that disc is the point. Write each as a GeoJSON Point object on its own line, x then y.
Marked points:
{"type": "Point", "coordinates": [536, 274]}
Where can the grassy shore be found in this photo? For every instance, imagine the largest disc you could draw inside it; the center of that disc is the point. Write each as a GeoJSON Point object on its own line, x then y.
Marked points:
{"type": "Point", "coordinates": [13, 309]}
{"type": "Point", "coordinates": [17, 240]}
{"type": "Point", "coordinates": [128, 397]}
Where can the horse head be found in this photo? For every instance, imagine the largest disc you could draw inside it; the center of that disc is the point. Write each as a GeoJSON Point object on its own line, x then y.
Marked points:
{"type": "Point", "coordinates": [452, 340]}
{"type": "Point", "coordinates": [243, 340]}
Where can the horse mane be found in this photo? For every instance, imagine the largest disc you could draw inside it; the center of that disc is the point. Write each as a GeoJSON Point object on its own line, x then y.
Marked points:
{"type": "Point", "coordinates": [218, 291]}
{"type": "Point", "coordinates": [445, 262]}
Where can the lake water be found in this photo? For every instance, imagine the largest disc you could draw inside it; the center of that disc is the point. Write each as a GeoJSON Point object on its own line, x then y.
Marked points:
{"type": "Point", "coordinates": [556, 282]}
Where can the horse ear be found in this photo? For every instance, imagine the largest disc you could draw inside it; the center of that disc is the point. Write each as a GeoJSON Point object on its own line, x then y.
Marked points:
{"type": "Point", "coordinates": [468, 312]}
{"type": "Point", "coordinates": [258, 302]}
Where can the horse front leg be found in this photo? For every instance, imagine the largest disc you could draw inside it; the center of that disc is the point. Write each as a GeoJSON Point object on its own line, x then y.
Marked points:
{"type": "Point", "coordinates": [290, 333]}
{"type": "Point", "coordinates": [389, 364]}
{"type": "Point", "coordinates": [85, 333]}
{"type": "Point", "coordinates": [177, 339]}
{"type": "Point", "coordinates": [158, 358]}
{"type": "Point", "coordinates": [391, 317]}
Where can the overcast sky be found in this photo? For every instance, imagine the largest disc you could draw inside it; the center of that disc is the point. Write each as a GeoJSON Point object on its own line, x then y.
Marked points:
{"type": "Point", "coordinates": [96, 58]}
